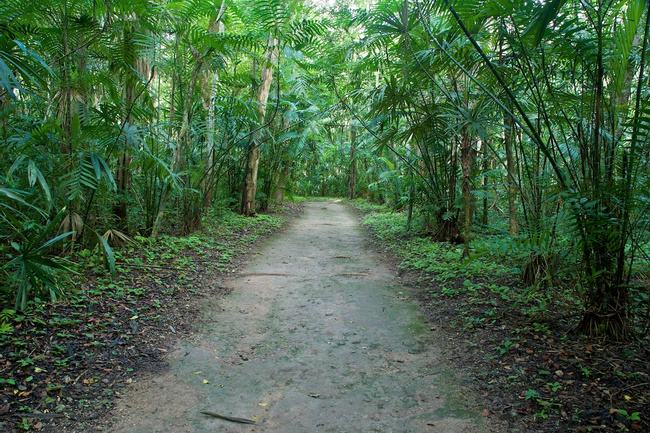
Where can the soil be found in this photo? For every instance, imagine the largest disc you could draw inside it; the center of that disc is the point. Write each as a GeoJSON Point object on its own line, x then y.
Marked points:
{"type": "Point", "coordinates": [536, 372]}
{"type": "Point", "coordinates": [530, 367]}
{"type": "Point", "coordinates": [63, 364]}
{"type": "Point", "coordinates": [317, 335]}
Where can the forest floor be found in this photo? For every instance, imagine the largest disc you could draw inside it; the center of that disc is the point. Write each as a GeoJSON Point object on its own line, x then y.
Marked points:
{"type": "Point", "coordinates": [317, 335]}
{"type": "Point", "coordinates": [521, 350]}
{"type": "Point", "coordinates": [64, 364]}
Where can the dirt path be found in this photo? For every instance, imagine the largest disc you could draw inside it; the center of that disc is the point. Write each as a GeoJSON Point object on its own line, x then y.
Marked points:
{"type": "Point", "coordinates": [318, 336]}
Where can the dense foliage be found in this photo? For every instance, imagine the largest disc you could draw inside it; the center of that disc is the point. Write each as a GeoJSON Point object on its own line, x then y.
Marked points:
{"type": "Point", "coordinates": [529, 119]}
{"type": "Point", "coordinates": [517, 345]}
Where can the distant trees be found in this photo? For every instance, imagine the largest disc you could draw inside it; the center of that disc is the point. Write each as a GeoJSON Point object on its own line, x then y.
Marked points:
{"type": "Point", "coordinates": [122, 118]}
{"type": "Point", "coordinates": [554, 94]}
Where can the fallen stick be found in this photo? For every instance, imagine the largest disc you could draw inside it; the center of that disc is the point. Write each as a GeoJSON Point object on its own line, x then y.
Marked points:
{"type": "Point", "coordinates": [228, 418]}
{"type": "Point", "coordinates": [33, 415]}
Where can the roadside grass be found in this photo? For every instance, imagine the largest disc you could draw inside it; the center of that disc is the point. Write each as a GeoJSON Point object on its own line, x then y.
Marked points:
{"type": "Point", "coordinates": [63, 363]}
{"type": "Point", "coordinates": [297, 199]}
{"type": "Point", "coordinates": [518, 341]}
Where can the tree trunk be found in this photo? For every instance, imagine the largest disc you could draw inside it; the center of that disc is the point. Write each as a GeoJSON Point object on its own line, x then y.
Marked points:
{"type": "Point", "coordinates": [352, 183]}
{"type": "Point", "coordinates": [282, 185]}
{"type": "Point", "coordinates": [208, 179]}
{"type": "Point", "coordinates": [207, 183]}
{"type": "Point", "coordinates": [252, 162]}
{"type": "Point", "coordinates": [283, 167]}
{"type": "Point", "coordinates": [139, 70]}
{"type": "Point", "coordinates": [508, 140]}
{"type": "Point", "coordinates": [123, 183]}
{"type": "Point", "coordinates": [184, 136]}
{"type": "Point", "coordinates": [486, 167]}
{"type": "Point", "coordinates": [208, 176]}
{"type": "Point", "coordinates": [65, 100]}
{"type": "Point", "coordinates": [466, 164]}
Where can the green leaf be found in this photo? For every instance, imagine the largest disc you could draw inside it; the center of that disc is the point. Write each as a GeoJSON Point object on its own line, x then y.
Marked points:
{"type": "Point", "coordinates": [109, 257]}
{"type": "Point", "coordinates": [548, 13]}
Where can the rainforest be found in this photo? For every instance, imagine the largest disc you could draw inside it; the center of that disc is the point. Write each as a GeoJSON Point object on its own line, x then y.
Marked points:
{"type": "Point", "coordinates": [496, 151]}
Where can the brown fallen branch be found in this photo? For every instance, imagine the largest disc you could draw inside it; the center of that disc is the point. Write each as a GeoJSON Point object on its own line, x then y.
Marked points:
{"type": "Point", "coordinates": [32, 415]}
{"type": "Point", "coordinates": [228, 418]}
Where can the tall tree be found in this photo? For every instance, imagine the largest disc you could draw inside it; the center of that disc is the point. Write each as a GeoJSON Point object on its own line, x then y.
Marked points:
{"type": "Point", "coordinates": [252, 162]}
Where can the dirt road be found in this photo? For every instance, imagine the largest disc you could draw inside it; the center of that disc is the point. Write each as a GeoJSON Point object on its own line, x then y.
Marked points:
{"type": "Point", "coordinates": [317, 336]}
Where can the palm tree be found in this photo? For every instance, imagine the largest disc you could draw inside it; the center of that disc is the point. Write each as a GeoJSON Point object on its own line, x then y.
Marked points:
{"type": "Point", "coordinates": [580, 130]}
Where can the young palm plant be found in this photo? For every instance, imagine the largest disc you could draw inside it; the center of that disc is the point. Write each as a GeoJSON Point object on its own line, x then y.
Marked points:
{"type": "Point", "coordinates": [584, 128]}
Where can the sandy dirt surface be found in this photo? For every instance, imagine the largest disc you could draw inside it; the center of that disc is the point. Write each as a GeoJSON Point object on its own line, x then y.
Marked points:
{"type": "Point", "coordinates": [317, 336]}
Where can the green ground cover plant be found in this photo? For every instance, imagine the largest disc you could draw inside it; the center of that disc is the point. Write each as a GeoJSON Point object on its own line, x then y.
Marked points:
{"type": "Point", "coordinates": [67, 359]}
{"type": "Point", "coordinates": [521, 343]}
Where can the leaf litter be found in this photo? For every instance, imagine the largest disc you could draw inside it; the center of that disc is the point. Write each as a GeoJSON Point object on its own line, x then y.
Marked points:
{"type": "Point", "coordinates": [62, 365]}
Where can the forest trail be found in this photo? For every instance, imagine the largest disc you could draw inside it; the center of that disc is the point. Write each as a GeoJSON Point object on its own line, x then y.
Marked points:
{"type": "Point", "coordinates": [317, 336]}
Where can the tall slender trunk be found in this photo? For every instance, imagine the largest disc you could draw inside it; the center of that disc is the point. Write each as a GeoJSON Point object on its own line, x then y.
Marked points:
{"type": "Point", "coordinates": [282, 184]}
{"type": "Point", "coordinates": [185, 136]}
{"type": "Point", "coordinates": [466, 164]}
{"type": "Point", "coordinates": [253, 159]}
{"type": "Point", "coordinates": [409, 210]}
{"type": "Point", "coordinates": [283, 168]}
{"type": "Point", "coordinates": [209, 175]}
{"type": "Point", "coordinates": [139, 69]}
{"type": "Point", "coordinates": [65, 102]}
{"type": "Point", "coordinates": [208, 179]}
{"type": "Point", "coordinates": [158, 220]}
{"type": "Point", "coordinates": [486, 167]}
{"type": "Point", "coordinates": [352, 183]}
{"type": "Point", "coordinates": [508, 140]}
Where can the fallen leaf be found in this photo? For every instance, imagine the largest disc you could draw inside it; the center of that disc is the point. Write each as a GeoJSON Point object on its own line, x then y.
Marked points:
{"type": "Point", "coordinates": [198, 372]}
{"type": "Point", "coordinates": [262, 404]}
{"type": "Point", "coordinates": [205, 381]}
{"type": "Point", "coordinates": [627, 397]}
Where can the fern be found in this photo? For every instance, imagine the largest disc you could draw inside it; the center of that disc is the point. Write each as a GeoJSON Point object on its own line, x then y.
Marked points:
{"type": "Point", "coordinates": [89, 171]}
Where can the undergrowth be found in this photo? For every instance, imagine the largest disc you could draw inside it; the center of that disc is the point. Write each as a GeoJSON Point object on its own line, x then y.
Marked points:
{"type": "Point", "coordinates": [57, 358]}
{"type": "Point", "coordinates": [441, 260]}
{"type": "Point", "coordinates": [515, 327]}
